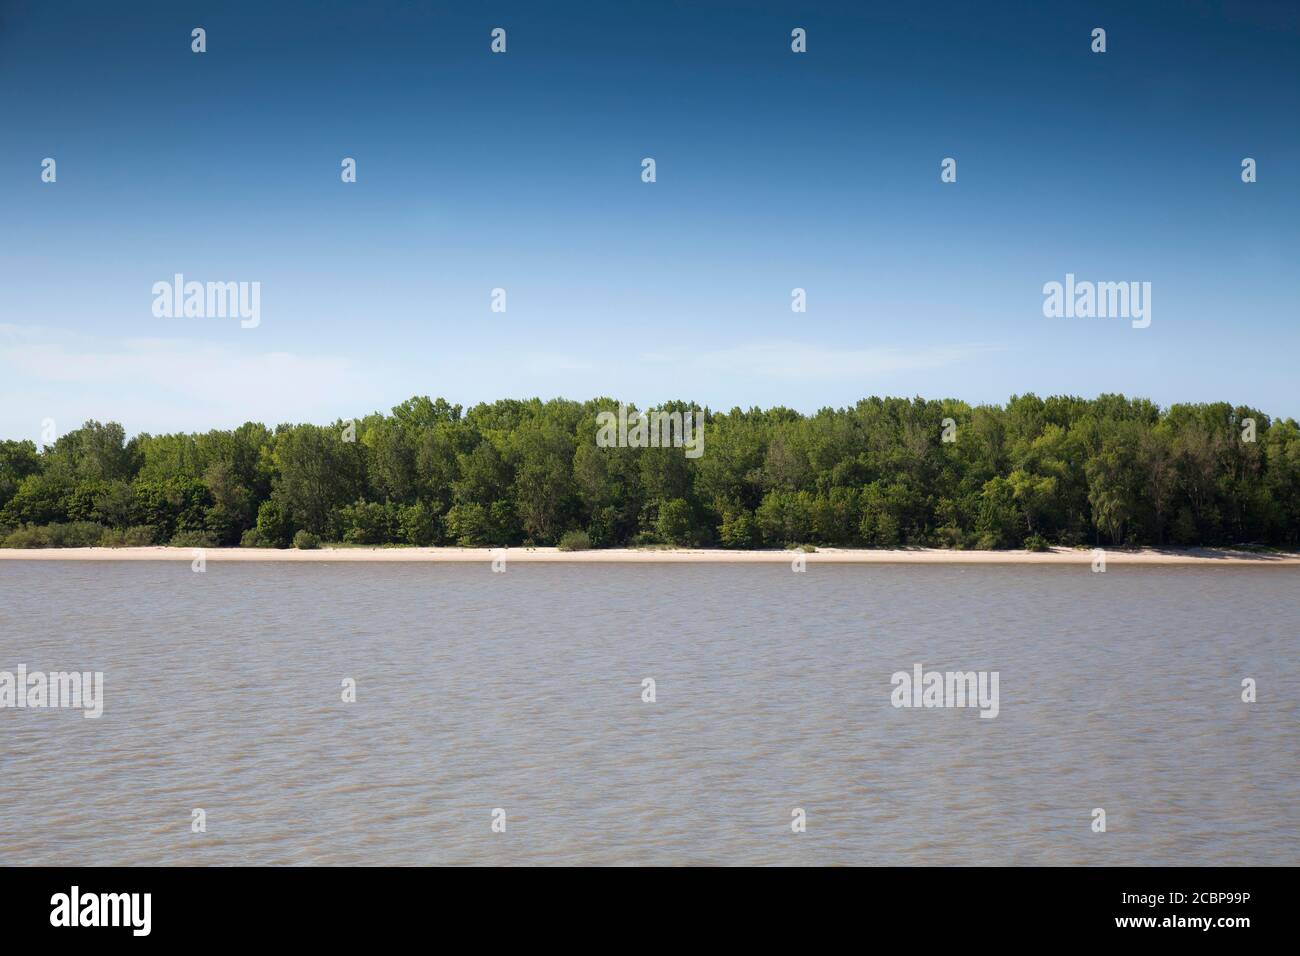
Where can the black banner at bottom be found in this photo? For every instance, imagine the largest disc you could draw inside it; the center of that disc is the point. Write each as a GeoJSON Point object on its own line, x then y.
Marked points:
{"type": "Point", "coordinates": [1216, 905]}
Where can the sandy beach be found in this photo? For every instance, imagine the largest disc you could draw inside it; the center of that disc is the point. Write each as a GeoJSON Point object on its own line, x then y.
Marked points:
{"type": "Point", "coordinates": [1205, 557]}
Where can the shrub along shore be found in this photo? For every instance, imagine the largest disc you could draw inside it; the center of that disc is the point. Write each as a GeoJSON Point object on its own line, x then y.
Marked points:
{"type": "Point", "coordinates": [885, 473]}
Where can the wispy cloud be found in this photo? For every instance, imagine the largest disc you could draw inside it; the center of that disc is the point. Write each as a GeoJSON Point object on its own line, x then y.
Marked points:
{"type": "Point", "coordinates": [171, 383]}
{"type": "Point", "coordinates": [165, 384]}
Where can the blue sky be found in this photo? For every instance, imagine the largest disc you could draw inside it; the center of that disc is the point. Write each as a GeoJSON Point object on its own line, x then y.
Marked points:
{"type": "Point", "coordinates": [522, 171]}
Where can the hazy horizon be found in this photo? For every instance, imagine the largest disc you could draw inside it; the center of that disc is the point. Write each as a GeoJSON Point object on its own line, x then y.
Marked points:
{"type": "Point", "coordinates": [387, 410]}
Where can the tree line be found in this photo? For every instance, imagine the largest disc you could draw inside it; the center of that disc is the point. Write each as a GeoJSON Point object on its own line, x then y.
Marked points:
{"type": "Point", "coordinates": [887, 472]}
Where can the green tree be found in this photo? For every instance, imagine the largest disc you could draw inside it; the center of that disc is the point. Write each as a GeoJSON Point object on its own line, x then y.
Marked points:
{"type": "Point", "coordinates": [676, 525]}
{"type": "Point", "coordinates": [274, 526]}
{"type": "Point", "coordinates": [319, 471]}
{"type": "Point", "coordinates": [18, 459]}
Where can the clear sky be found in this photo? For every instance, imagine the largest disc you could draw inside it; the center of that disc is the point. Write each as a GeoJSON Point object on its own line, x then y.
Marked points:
{"type": "Point", "coordinates": [522, 171]}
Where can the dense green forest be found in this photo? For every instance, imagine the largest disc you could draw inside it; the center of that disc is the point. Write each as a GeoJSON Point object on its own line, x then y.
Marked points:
{"type": "Point", "coordinates": [1070, 471]}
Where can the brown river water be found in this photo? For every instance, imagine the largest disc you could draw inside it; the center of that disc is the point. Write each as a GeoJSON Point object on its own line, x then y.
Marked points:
{"type": "Point", "coordinates": [523, 691]}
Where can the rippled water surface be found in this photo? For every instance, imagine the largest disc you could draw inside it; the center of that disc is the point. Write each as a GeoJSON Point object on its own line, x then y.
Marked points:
{"type": "Point", "coordinates": [523, 691]}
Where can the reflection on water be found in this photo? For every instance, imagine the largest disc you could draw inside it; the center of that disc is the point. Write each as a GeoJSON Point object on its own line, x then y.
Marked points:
{"type": "Point", "coordinates": [523, 691]}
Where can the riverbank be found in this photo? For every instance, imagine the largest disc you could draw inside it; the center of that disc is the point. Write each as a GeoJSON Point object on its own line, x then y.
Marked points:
{"type": "Point", "coordinates": [1205, 557]}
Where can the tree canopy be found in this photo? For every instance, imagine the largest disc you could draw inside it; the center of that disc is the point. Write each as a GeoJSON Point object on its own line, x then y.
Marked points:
{"type": "Point", "coordinates": [887, 472]}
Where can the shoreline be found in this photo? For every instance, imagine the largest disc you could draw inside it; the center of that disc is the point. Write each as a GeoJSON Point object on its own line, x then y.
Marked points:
{"type": "Point", "coordinates": [1202, 557]}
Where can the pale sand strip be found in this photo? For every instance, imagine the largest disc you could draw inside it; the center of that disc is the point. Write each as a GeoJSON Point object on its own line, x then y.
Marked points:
{"type": "Point", "coordinates": [1204, 557]}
